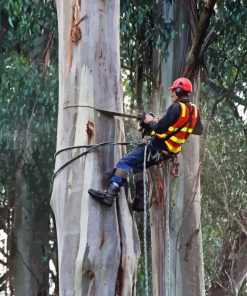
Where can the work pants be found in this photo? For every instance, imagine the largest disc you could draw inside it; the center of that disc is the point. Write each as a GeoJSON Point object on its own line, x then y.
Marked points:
{"type": "Point", "coordinates": [134, 161]}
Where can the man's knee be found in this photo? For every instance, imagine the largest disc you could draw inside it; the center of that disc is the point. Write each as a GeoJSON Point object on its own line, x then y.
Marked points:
{"type": "Point", "coordinates": [121, 173]}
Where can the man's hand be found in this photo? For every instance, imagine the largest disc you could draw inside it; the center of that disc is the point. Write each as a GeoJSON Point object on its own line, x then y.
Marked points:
{"type": "Point", "coordinates": [148, 118]}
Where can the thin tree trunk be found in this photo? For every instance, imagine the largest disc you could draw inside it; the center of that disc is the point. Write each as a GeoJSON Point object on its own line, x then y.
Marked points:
{"type": "Point", "coordinates": [98, 246]}
{"type": "Point", "coordinates": [180, 258]}
{"type": "Point", "coordinates": [233, 270]}
{"type": "Point", "coordinates": [29, 242]}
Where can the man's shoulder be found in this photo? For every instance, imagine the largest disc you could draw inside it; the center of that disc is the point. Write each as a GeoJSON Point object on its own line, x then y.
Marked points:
{"type": "Point", "coordinates": [175, 106]}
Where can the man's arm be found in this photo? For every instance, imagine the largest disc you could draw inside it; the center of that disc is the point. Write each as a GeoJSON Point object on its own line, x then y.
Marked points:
{"type": "Point", "coordinates": [198, 129]}
{"type": "Point", "coordinates": [161, 125]}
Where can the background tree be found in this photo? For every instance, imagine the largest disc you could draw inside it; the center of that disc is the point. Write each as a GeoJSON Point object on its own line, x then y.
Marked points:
{"type": "Point", "coordinates": [222, 63]}
{"type": "Point", "coordinates": [185, 217]}
{"type": "Point", "coordinates": [28, 118]}
{"type": "Point", "coordinates": [224, 149]}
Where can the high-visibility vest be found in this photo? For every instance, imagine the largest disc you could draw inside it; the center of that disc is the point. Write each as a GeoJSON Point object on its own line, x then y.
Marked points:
{"type": "Point", "coordinates": [187, 120]}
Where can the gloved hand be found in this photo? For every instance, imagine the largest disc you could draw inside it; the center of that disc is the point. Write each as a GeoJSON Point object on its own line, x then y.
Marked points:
{"type": "Point", "coordinates": [149, 117]}
{"type": "Point", "coordinates": [144, 128]}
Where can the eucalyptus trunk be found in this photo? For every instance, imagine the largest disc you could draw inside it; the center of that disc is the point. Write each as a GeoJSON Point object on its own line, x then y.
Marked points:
{"type": "Point", "coordinates": [98, 246]}
{"type": "Point", "coordinates": [176, 237]}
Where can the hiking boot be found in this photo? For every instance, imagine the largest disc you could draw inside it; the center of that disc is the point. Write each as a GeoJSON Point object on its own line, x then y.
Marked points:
{"type": "Point", "coordinates": [138, 203]}
{"type": "Point", "coordinates": [105, 197]}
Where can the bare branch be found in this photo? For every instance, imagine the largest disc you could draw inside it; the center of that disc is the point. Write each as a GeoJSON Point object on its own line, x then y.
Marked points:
{"type": "Point", "coordinates": [223, 92]}
{"type": "Point", "coordinates": [3, 263]}
{"type": "Point", "coordinates": [194, 60]}
{"type": "Point", "coordinates": [4, 277]}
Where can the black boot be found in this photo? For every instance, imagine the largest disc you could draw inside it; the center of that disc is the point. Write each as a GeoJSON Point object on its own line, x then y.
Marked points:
{"type": "Point", "coordinates": [105, 197]}
{"type": "Point", "coordinates": [138, 203]}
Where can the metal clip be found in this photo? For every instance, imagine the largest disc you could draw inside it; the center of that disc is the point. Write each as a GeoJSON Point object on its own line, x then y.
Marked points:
{"type": "Point", "coordinates": [156, 156]}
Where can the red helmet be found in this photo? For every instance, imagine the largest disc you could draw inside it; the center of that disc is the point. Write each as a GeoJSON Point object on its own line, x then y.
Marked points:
{"type": "Point", "coordinates": [183, 83]}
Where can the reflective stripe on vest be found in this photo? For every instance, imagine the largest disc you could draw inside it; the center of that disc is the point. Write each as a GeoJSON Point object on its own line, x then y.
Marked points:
{"type": "Point", "coordinates": [184, 129]}
{"type": "Point", "coordinates": [173, 149]}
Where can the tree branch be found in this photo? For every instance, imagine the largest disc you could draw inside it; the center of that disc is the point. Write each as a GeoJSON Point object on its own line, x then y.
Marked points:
{"type": "Point", "coordinates": [194, 59]}
{"type": "Point", "coordinates": [223, 92]}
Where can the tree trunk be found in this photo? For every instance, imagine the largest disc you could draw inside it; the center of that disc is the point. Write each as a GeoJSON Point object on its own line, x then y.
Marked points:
{"type": "Point", "coordinates": [98, 247]}
{"type": "Point", "coordinates": [233, 270]}
{"type": "Point", "coordinates": [178, 264]}
{"type": "Point", "coordinates": [29, 243]}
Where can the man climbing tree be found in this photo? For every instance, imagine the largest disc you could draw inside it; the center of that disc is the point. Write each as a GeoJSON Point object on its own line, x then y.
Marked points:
{"type": "Point", "coordinates": [168, 134]}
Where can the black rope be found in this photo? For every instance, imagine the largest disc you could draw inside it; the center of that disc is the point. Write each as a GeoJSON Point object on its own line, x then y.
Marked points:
{"type": "Point", "coordinates": [93, 145]}
{"type": "Point", "coordinates": [91, 148]}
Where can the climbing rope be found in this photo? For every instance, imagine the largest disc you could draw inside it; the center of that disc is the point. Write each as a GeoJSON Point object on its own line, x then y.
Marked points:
{"type": "Point", "coordinates": [90, 148]}
{"type": "Point", "coordinates": [168, 265]}
{"type": "Point", "coordinates": [145, 221]}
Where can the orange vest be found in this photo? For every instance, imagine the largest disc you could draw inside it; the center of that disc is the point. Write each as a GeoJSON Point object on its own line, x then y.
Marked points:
{"type": "Point", "coordinates": [174, 143]}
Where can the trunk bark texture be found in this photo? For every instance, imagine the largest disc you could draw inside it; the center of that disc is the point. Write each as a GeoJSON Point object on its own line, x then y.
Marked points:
{"type": "Point", "coordinates": [98, 246]}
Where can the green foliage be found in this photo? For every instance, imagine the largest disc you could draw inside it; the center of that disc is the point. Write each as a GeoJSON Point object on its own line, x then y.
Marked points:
{"type": "Point", "coordinates": [28, 97]}
{"type": "Point", "coordinates": [224, 184]}
{"type": "Point", "coordinates": [28, 113]}
{"type": "Point", "coordinates": [27, 25]}
{"type": "Point", "coordinates": [226, 56]}
{"type": "Point", "coordinates": [143, 31]}
{"type": "Point", "coordinates": [143, 19]}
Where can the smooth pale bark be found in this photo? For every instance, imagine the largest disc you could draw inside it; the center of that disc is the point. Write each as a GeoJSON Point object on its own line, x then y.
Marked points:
{"type": "Point", "coordinates": [158, 176]}
{"type": "Point", "coordinates": [98, 246]}
{"type": "Point", "coordinates": [157, 190]}
{"type": "Point", "coordinates": [180, 258]}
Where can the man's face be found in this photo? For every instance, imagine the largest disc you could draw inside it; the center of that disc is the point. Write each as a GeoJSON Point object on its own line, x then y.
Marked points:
{"type": "Point", "coordinates": [174, 96]}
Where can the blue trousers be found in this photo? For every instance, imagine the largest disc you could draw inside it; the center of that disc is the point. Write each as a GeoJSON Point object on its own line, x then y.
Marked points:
{"type": "Point", "coordinates": [134, 161]}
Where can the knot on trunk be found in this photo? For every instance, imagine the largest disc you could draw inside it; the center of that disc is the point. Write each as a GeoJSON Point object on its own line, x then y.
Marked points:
{"type": "Point", "coordinates": [90, 129]}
